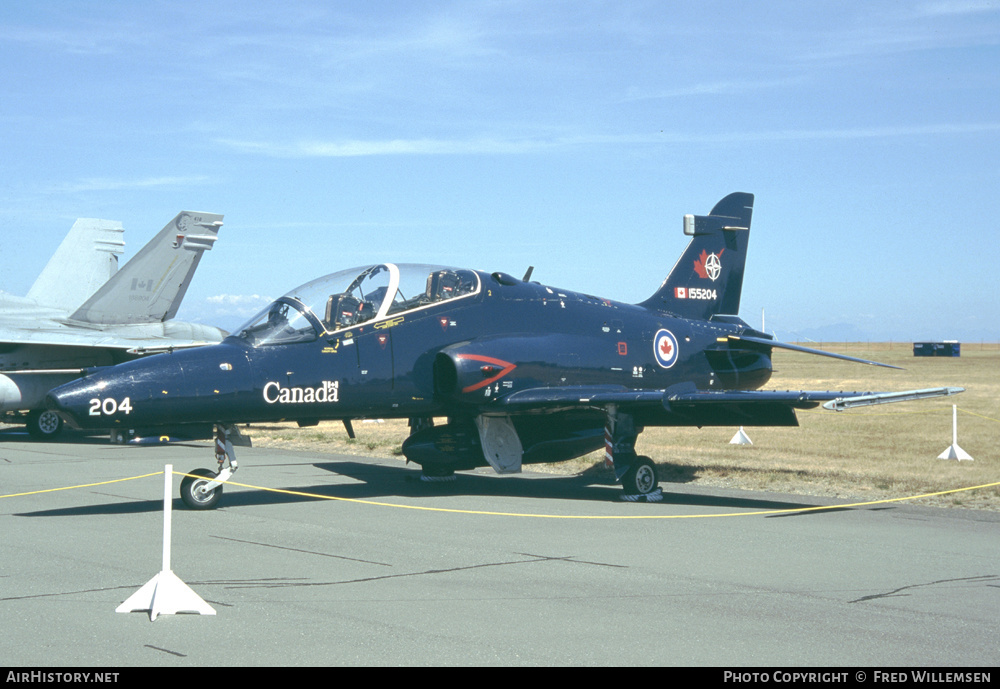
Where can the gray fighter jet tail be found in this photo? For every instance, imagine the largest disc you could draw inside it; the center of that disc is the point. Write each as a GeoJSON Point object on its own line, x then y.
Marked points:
{"type": "Point", "coordinates": [86, 259]}
{"type": "Point", "coordinates": [150, 287]}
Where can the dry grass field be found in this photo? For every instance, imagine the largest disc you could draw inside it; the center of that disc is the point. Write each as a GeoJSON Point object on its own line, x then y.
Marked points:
{"type": "Point", "coordinates": [872, 453]}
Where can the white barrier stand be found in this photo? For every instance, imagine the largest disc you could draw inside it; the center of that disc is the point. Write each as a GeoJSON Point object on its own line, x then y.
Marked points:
{"type": "Point", "coordinates": [166, 594]}
{"type": "Point", "coordinates": [741, 438]}
{"type": "Point", "coordinates": [955, 452]}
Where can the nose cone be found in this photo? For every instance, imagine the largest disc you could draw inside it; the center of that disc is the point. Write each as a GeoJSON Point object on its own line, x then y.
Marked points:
{"type": "Point", "coordinates": [118, 396]}
{"type": "Point", "coordinates": [63, 401]}
{"type": "Point", "coordinates": [190, 386]}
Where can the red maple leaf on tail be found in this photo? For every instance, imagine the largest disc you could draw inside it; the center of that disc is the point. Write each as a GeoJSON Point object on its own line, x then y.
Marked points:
{"type": "Point", "coordinates": [699, 264]}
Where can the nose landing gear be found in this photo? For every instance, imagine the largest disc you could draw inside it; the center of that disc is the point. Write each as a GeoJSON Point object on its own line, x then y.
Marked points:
{"type": "Point", "coordinates": [201, 489]}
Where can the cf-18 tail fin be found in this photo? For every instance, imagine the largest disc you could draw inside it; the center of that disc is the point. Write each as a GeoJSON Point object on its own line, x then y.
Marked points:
{"type": "Point", "coordinates": [86, 259]}
{"type": "Point", "coordinates": [708, 278]}
{"type": "Point", "coordinates": [150, 287]}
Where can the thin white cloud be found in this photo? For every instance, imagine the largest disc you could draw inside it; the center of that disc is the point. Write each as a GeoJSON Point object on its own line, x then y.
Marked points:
{"type": "Point", "coordinates": [847, 133]}
{"type": "Point", "coordinates": [489, 146]}
{"type": "Point", "coordinates": [356, 148]}
{"type": "Point", "coordinates": [709, 88]}
{"type": "Point", "coordinates": [105, 184]}
{"type": "Point", "coordinates": [63, 40]}
{"type": "Point", "coordinates": [237, 305]}
{"type": "Point", "coordinates": [238, 299]}
{"type": "Point", "coordinates": [949, 24]}
{"type": "Point", "coordinates": [952, 7]}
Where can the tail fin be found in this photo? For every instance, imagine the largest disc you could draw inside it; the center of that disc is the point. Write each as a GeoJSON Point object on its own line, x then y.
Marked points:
{"type": "Point", "coordinates": [150, 287]}
{"type": "Point", "coordinates": [86, 259]}
{"type": "Point", "coordinates": [708, 278]}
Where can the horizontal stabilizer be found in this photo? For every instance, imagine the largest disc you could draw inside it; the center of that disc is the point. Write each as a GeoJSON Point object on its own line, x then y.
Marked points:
{"type": "Point", "coordinates": [842, 403]}
{"type": "Point", "coordinates": [798, 348]}
{"type": "Point", "coordinates": [699, 225]}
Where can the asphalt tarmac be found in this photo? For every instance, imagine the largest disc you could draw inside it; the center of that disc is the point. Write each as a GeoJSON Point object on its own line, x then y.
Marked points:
{"type": "Point", "coordinates": [531, 569]}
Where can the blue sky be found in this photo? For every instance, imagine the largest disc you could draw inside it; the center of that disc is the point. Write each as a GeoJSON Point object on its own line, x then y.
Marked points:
{"type": "Point", "coordinates": [571, 136]}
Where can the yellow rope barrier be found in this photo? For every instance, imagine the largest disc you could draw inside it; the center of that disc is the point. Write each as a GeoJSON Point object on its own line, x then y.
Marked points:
{"type": "Point", "coordinates": [532, 515]}
{"type": "Point", "coordinates": [972, 413]}
{"type": "Point", "coordinates": [599, 517]}
{"type": "Point", "coordinates": [84, 485]}
{"type": "Point", "coordinates": [517, 514]}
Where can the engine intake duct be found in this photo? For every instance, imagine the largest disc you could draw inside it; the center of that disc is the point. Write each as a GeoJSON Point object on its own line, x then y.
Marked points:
{"type": "Point", "coordinates": [740, 367]}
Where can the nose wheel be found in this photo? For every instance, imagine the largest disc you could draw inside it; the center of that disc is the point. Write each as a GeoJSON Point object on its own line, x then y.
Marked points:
{"type": "Point", "coordinates": [196, 490]}
{"type": "Point", "coordinates": [201, 489]}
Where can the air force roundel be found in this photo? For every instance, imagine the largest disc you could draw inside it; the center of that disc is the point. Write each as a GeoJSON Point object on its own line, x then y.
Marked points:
{"type": "Point", "coordinates": [665, 348]}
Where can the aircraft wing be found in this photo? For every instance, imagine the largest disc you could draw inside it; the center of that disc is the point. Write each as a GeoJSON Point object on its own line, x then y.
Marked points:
{"type": "Point", "coordinates": [576, 396]}
{"type": "Point", "coordinates": [687, 401]}
{"type": "Point", "coordinates": [144, 337]}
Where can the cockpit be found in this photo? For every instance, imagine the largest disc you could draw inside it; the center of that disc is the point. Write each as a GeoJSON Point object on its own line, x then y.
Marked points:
{"type": "Point", "coordinates": [352, 297]}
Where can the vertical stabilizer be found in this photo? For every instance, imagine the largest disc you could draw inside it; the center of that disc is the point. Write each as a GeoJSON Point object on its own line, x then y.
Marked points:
{"type": "Point", "coordinates": [150, 287]}
{"type": "Point", "coordinates": [86, 259]}
{"type": "Point", "coordinates": [708, 278]}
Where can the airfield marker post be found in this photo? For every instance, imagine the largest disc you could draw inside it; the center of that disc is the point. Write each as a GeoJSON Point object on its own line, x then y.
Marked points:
{"type": "Point", "coordinates": [954, 451]}
{"type": "Point", "coordinates": [741, 438]}
{"type": "Point", "coordinates": [166, 594]}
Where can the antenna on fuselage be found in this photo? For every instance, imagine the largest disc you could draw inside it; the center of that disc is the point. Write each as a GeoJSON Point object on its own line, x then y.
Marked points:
{"type": "Point", "coordinates": [527, 275]}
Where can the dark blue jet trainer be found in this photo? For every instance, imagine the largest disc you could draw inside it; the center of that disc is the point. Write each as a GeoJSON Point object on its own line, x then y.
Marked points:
{"type": "Point", "coordinates": [522, 372]}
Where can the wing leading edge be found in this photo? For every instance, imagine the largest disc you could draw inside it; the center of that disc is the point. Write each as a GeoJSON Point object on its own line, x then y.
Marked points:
{"type": "Point", "coordinates": [556, 398]}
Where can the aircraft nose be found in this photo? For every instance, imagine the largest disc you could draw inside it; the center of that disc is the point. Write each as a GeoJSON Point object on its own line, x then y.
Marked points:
{"type": "Point", "coordinates": [66, 401]}
{"type": "Point", "coordinates": [193, 386]}
{"type": "Point", "coordinates": [114, 397]}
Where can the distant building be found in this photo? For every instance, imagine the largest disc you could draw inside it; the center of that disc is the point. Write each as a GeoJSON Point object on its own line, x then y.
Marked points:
{"type": "Point", "coordinates": [946, 348]}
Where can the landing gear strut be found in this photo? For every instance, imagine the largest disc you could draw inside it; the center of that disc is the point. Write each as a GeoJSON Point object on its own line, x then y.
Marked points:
{"type": "Point", "coordinates": [201, 489]}
{"type": "Point", "coordinates": [636, 473]}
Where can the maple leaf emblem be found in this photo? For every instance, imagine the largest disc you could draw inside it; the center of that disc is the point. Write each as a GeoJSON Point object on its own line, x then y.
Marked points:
{"type": "Point", "coordinates": [665, 348]}
{"type": "Point", "coordinates": [708, 265]}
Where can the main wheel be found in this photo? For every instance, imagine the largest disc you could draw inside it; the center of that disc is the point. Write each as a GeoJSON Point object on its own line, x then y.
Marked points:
{"type": "Point", "coordinates": [640, 479]}
{"type": "Point", "coordinates": [193, 495]}
{"type": "Point", "coordinates": [44, 424]}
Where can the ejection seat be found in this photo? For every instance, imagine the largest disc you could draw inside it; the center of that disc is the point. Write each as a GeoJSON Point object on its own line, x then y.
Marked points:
{"type": "Point", "coordinates": [342, 311]}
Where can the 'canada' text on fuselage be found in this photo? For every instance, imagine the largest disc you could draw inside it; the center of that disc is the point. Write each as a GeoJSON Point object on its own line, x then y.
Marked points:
{"type": "Point", "coordinates": [327, 392]}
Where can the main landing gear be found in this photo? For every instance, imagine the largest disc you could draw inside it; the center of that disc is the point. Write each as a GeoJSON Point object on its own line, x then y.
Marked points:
{"type": "Point", "coordinates": [640, 478]}
{"type": "Point", "coordinates": [637, 473]}
{"type": "Point", "coordinates": [44, 424]}
{"type": "Point", "coordinates": [201, 489]}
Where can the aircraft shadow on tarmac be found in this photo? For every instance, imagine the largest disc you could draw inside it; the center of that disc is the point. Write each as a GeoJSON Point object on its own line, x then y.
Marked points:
{"type": "Point", "coordinates": [18, 434]}
{"type": "Point", "coordinates": [380, 482]}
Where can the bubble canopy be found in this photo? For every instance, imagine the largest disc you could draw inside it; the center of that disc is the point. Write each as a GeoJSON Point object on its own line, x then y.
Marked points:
{"type": "Point", "coordinates": [351, 297]}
